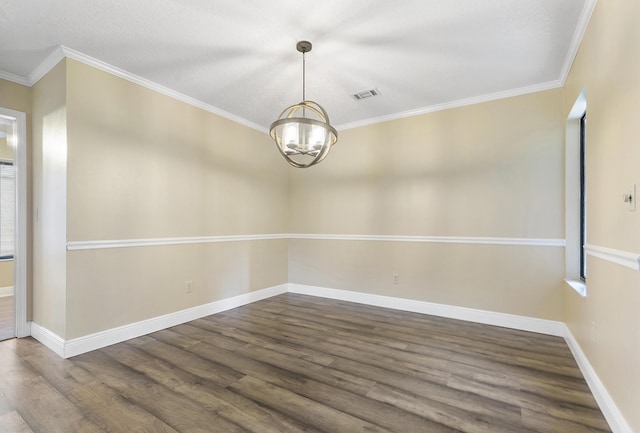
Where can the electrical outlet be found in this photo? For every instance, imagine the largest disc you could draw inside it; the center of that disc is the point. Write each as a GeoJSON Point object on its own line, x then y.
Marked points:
{"type": "Point", "coordinates": [594, 330]}
{"type": "Point", "coordinates": [188, 287]}
{"type": "Point", "coordinates": [396, 279]}
{"type": "Point", "coordinates": [630, 198]}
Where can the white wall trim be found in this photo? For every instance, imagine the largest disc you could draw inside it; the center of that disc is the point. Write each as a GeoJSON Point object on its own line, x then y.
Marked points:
{"type": "Point", "coordinates": [62, 51]}
{"type": "Point", "coordinates": [577, 285]}
{"type": "Point", "coordinates": [454, 104]}
{"type": "Point", "coordinates": [129, 243]}
{"type": "Point", "coordinates": [103, 66]}
{"type": "Point", "coordinates": [581, 28]}
{"type": "Point", "coordinates": [50, 339]}
{"type": "Point", "coordinates": [436, 239]}
{"type": "Point", "coordinates": [6, 291]}
{"type": "Point", "coordinates": [623, 258]}
{"type": "Point", "coordinates": [531, 324]}
{"type": "Point", "coordinates": [77, 346]}
{"type": "Point", "coordinates": [46, 65]}
{"type": "Point", "coordinates": [608, 407]}
{"type": "Point", "coordinates": [20, 250]}
{"type": "Point", "coordinates": [14, 78]}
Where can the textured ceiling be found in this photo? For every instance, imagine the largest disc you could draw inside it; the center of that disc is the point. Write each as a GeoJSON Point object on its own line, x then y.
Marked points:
{"type": "Point", "coordinates": [240, 56]}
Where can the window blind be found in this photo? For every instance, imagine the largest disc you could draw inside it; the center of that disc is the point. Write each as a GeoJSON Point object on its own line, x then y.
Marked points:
{"type": "Point", "coordinates": [7, 209]}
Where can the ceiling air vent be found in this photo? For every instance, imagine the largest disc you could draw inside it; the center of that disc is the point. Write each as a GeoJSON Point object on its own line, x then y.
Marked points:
{"type": "Point", "coordinates": [365, 94]}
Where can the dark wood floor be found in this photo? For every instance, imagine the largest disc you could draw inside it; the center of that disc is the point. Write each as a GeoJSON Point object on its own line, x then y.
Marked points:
{"type": "Point", "coordinates": [7, 321]}
{"type": "Point", "coordinates": [300, 364]}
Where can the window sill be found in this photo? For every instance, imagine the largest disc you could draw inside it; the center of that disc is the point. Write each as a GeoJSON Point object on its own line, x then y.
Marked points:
{"type": "Point", "coordinates": [578, 286]}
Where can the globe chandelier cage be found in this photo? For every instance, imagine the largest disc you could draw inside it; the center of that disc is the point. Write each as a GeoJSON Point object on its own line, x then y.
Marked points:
{"type": "Point", "coordinates": [302, 132]}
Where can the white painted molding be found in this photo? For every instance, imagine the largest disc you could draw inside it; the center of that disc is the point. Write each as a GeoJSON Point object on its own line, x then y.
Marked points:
{"type": "Point", "coordinates": [62, 51]}
{"type": "Point", "coordinates": [14, 78]}
{"type": "Point", "coordinates": [20, 252]}
{"type": "Point", "coordinates": [623, 258]}
{"type": "Point", "coordinates": [436, 239]}
{"type": "Point", "coordinates": [50, 339]}
{"type": "Point", "coordinates": [6, 291]}
{"type": "Point", "coordinates": [578, 286]}
{"type": "Point", "coordinates": [46, 65]}
{"type": "Point", "coordinates": [87, 343]}
{"type": "Point", "coordinates": [103, 66]}
{"type": "Point", "coordinates": [454, 104]}
{"type": "Point", "coordinates": [581, 28]}
{"type": "Point", "coordinates": [608, 407]}
{"type": "Point", "coordinates": [531, 324]}
{"type": "Point", "coordinates": [129, 243]}
{"type": "Point", "coordinates": [77, 346]}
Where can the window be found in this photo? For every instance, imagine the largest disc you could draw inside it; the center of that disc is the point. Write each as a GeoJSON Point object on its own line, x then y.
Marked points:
{"type": "Point", "coordinates": [583, 198]}
{"type": "Point", "coordinates": [576, 196]}
{"type": "Point", "coordinates": [7, 209]}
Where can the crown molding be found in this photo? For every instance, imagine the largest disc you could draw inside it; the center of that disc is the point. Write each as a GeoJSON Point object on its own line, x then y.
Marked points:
{"type": "Point", "coordinates": [121, 73]}
{"type": "Point", "coordinates": [61, 52]}
{"type": "Point", "coordinates": [455, 104]}
{"type": "Point", "coordinates": [581, 28]}
{"type": "Point", "coordinates": [46, 65]}
{"type": "Point", "coordinates": [8, 76]}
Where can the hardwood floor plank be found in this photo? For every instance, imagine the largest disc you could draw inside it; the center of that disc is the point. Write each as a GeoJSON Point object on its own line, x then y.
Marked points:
{"type": "Point", "coordinates": [454, 417]}
{"type": "Point", "coordinates": [541, 421]}
{"type": "Point", "coordinates": [39, 404]}
{"type": "Point", "coordinates": [334, 395]}
{"type": "Point", "coordinates": [305, 410]}
{"type": "Point", "coordinates": [7, 317]}
{"type": "Point", "coordinates": [294, 363]}
{"type": "Point", "coordinates": [178, 411]}
{"type": "Point", "coordinates": [211, 396]}
{"type": "Point", "coordinates": [12, 422]}
{"type": "Point", "coordinates": [101, 404]}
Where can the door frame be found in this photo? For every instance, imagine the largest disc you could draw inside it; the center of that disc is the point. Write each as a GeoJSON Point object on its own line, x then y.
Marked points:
{"type": "Point", "coordinates": [22, 328]}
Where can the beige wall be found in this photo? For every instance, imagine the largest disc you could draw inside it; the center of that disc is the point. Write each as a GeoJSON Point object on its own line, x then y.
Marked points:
{"type": "Point", "coordinates": [608, 66]}
{"type": "Point", "coordinates": [489, 170]}
{"type": "Point", "coordinates": [49, 200]}
{"type": "Point", "coordinates": [142, 165]}
{"type": "Point", "coordinates": [6, 273]}
{"type": "Point", "coordinates": [15, 96]}
{"type": "Point", "coordinates": [18, 97]}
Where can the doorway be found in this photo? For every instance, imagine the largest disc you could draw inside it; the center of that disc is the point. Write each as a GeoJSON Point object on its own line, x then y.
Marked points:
{"type": "Point", "coordinates": [13, 225]}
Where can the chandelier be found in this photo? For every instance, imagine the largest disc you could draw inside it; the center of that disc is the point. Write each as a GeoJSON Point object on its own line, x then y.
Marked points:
{"type": "Point", "coordinates": [302, 132]}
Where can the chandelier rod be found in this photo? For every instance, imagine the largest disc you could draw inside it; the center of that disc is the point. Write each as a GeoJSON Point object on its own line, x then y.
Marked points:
{"type": "Point", "coordinates": [304, 75]}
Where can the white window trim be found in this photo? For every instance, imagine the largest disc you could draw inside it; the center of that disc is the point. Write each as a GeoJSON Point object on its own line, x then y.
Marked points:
{"type": "Point", "coordinates": [572, 195]}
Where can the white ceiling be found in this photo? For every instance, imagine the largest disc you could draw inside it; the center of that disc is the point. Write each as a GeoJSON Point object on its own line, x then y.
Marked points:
{"type": "Point", "coordinates": [240, 56]}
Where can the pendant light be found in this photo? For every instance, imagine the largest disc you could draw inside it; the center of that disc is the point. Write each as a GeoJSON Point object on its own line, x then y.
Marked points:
{"type": "Point", "coordinates": [302, 132]}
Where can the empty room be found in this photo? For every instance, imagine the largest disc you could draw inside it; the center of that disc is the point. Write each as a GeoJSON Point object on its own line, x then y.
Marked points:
{"type": "Point", "coordinates": [340, 216]}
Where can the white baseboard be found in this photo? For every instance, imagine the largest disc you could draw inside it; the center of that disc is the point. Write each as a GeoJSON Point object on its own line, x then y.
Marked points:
{"type": "Point", "coordinates": [77, 346]}
{"type": "Point", "coordinates": [6, 291]}
{"type": "Point", "coordinates": [608, 407]}
{"type": "Point", "coordinates": [50, 339]}
{"type": "Point", "coordinates": [532, 324]}
{"type": "Point", "coordinates": [87, 343]}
